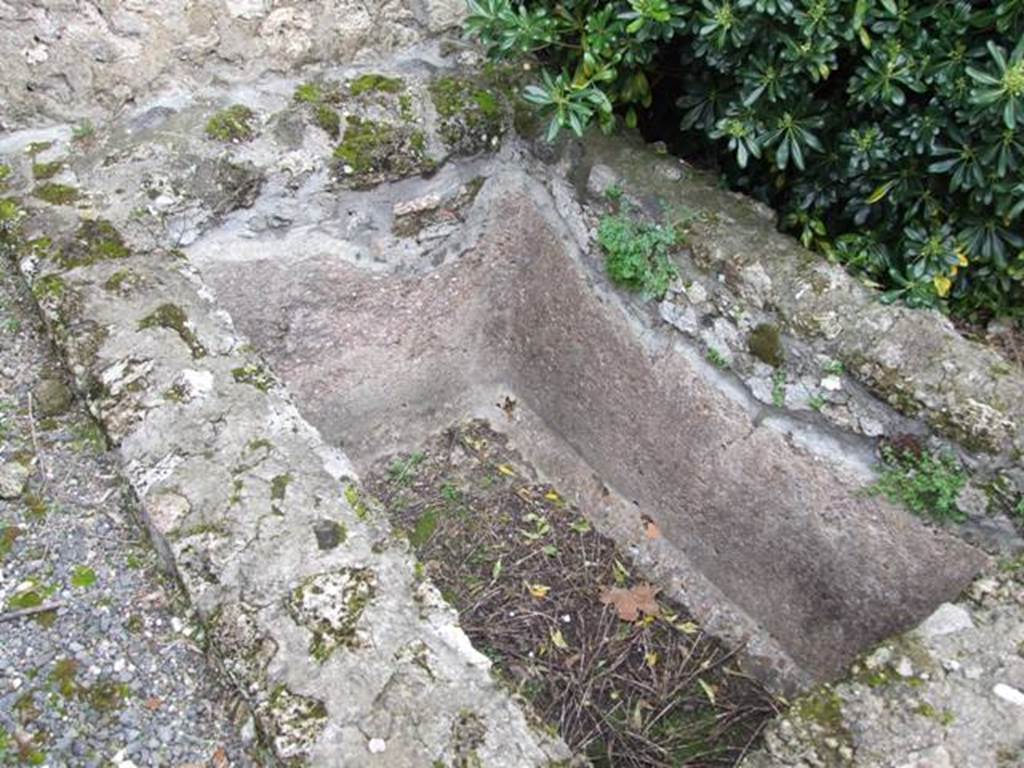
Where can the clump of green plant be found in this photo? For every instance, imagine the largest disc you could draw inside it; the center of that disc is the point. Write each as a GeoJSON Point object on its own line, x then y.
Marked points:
{"type": "Point", "coordinates": [925, 483]}
{"type": "Point", "coordinates": [886, 132]}
{"type": "Point", "coordinates": [636, 253]}
{"type": "Point", "coordinates": [233, 124]}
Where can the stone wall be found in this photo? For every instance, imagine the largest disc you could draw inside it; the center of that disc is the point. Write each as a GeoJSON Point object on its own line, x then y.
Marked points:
{"type": "Point", "coordinates": [71, 60]}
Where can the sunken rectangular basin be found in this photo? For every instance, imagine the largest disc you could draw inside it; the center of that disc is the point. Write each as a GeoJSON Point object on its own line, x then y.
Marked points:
{"type": "Point", "coordinates": [773, 545]}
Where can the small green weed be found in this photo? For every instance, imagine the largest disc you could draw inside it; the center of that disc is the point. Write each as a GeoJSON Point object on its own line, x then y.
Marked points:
{"type": "Point", "coordinates": [927, 484]}
{"type": "Point", "coordinates": [83, 131]}
{"type": "Point", "coordinates": [636, 253]}
{"type": "Point", "coordinates": [82, 577]}
{"type": "Point", "coordinates": [779, 388]}
{"type": "Point", "coordinates": [834, 367]}
{"type": "Point", "coordinates": [717, 359]}
{"type": "Point", "coordinates": [403, 470]}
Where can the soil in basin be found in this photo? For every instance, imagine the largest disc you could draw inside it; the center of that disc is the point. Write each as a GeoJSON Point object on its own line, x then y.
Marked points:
{"type": "Point", "coordinates": [626, 676]}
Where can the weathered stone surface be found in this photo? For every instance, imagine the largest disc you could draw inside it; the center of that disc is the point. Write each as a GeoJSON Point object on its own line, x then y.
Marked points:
{"type": "Point", "coordinates": [940, 695]}
{"type": "Point", "coordinates": [75, 59]}
{"type": "Point", "coordinates": [232, 484]}
{"type": "Point", "coordinates": [13, 478]}
{"type": "Point", "coordinates": [912, 359]}
{"type": "Point", "coordinates": [413, 354]}
{"type": "Point", "coordinates": [392, 311]}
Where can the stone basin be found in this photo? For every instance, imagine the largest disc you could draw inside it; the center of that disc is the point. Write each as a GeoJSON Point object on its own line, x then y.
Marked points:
{"type": "Point", "coordinates": [767, 534]}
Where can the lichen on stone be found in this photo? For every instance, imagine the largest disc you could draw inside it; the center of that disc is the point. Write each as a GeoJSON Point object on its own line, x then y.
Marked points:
{"type": "Point", "coordinates": [330, 605]}
{"type": "Point", "coordinates": [233, 124]}
{"type": "Point", "coordinates": [294, 723]}
{"type": "Point", "coordinates": [173, 318]}
{"type": "Point", "coordinates": [254, 375]}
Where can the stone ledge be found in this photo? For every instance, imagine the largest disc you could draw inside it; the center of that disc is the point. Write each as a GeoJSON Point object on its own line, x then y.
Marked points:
{"type": "Point", "coordinates": [913, 360]}
{"type": "Point", "coordinates": [339, 649]}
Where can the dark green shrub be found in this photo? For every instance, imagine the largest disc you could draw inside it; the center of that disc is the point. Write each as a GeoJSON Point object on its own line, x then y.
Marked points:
{"type": "Point", "coordinates": [889, 133]}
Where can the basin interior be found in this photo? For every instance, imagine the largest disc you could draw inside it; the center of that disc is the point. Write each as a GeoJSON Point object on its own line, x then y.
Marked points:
{"type": "Point", "coordinates": [769, 541]}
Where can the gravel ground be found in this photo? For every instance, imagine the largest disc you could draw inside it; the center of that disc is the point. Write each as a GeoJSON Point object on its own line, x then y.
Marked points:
{"type": "Point", "coordinates": [116, 676]}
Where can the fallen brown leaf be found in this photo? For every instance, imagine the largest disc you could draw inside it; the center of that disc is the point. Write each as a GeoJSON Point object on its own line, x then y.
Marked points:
{"type": "Point", "coordinates": [153, 704]}
{"type": "Point", "coordinates": [630, 603]}
{"type": "Point", "coordinates": [651, 529]}
{"type": "Point", "coordinates": [220, 758]}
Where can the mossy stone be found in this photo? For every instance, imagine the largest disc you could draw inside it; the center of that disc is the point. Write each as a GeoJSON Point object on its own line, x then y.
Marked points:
{"type": "Point", "coordinates": [173, 318]}
{"type": "Point", "coordinates": [376, 83]}
{"type": "Point", "coordinates": [765, 344]}
{"type": "Point", "coordinates": [471, 115]}
{"type": "Point", "coordinates": [56, 194]}
{"type": "Point", "coordinates": [52, 397]}
{"type": "Point", "coordinates": [96, 240]}
{"type": "Point", "coordinates": [329, 534]}
{"type": "Point", "coordinates": [233, 124]}
{"type": "Point", "coordinates": [374, 151]}
{"type": "Point", "coordinates": [43, 171]}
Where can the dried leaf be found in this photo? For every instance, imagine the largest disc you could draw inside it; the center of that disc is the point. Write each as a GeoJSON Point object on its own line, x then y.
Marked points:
{"type": "Point", "coordinates": [153, 704]}
{"type": "Point", "coordinates": [552, 495]}
{"type": "Point", "coordinates": [688, 628]}
{"type": "Point", "coordinates": [651, 530]}
{"type": "Point", "coordinates": [220, 758]}
{"type": "Point", "coordinates": [709, 691]}
{"type": "Point", "coordinates": [651, 659]}
{"type": "Point", "coordinates": [558, 640]}
{"type": "Point", "coordinates": [538, 591]}
{"type": "Point", "coordinates": [506, 470]}
{"type": "Point", "coordinates": [630, 603]}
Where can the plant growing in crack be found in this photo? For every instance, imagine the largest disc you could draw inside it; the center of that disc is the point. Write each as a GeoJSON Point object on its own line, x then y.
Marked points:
{"type": "Point", "coordinates": [637, 253]}
{"type": "Point", "coordinates": [925, 483]}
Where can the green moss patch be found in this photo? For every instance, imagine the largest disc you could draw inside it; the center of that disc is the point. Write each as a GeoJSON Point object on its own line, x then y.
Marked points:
{"type": "Point", "coordinates": [328, 120]}
{"type": "Point", "coordinates": [56, 194]}
{"type": "Point", "coordinates": [472, 114]}
{"type": "Point", "coordinates": [43, 171]}
{"type": "Point", "coordinates": [375, 83]}
{"type": "Point", "coordinates": [94, 241]}
{"type": "Point", "coordinates": [765, 344]}
{"type": "Point", "coordinates": [371, 152]}
{"type": "Point", "coordinates": [233, 124]}
{"type": "Point", "coordinates": [173, 318]}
